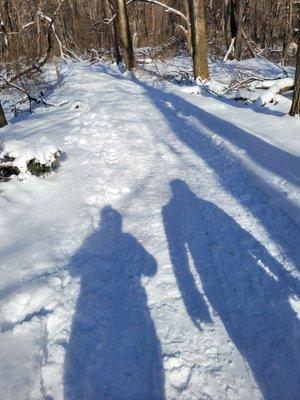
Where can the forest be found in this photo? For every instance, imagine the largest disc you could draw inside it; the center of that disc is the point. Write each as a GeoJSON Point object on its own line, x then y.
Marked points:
{"type": "Point", "coordinates": [33, 32]}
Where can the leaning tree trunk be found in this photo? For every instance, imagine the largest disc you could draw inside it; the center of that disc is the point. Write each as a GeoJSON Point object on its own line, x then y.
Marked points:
{"type": "Point", "coordinates": [295, 109]}
{"type": "Point", "coordinates": [198, 35]}
{"type": "Point", "coordinates": [3, 121]}
{"type": "Point", "coordinates": [125, 36]}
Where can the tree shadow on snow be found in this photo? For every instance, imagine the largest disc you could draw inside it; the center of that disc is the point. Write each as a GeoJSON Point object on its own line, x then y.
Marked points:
{"type": "Point", "coordinates": [233, 178]}
{"type": "Point", "coordinates": [238, 103]}
{"type": "Point", "coordinates": [242, 104]}
{"type": "Point", "coordinates": [247, 288]}
{"type": "Point", "coordinates": [113, 352]}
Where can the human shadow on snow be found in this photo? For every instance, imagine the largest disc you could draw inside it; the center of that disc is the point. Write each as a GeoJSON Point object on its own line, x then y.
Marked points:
{"type": "Point", "coordinates": [177, 112]}
{"type": "Point", "coordinates": [245, 286]}
{"type": "Point", "coordinates": [113, 351]}
{"type": "Point", "coordinates": [227, 166]}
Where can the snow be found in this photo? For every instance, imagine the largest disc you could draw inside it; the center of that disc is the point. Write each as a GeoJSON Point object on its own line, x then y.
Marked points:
{"type": "Point", "coordinates": [23, 151]}
{"type": "Point", "coordinates": [261, 66]}
{"type": "Point", "coordinates": [269, 95]}
{"type": "Point", "coordinates": [161, 260]}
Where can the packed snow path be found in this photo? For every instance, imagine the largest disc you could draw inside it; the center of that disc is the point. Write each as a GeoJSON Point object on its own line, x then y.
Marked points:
{"type": "Point", "coordinates": [150, 266]}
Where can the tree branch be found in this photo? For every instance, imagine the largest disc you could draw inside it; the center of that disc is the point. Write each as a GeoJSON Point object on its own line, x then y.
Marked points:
{"type": "Point", "coordinates": [36, 66]}
{"type": "Point", "coordinates": [167, 9]}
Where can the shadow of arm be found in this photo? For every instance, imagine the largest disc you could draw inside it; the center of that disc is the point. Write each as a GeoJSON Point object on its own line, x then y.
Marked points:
{"type": "Point", "coordinates": [140, 261]}
{"type": "Point", "coordinates": [192, 298]}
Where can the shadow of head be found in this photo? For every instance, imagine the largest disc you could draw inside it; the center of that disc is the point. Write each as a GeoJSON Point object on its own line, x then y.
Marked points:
{"type": "Point", "coordinates": [179, 187]}
{"type": "Point", "coordinates": [110, 220]}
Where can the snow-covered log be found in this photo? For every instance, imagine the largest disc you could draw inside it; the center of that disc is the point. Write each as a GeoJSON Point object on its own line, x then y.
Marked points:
{"type": "Point", "coordinates": [281, 86]}
{"type": "Point", "coordinates": [22, 158]}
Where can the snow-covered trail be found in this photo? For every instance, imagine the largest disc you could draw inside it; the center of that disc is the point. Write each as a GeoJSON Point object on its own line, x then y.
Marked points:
{"type": "Point", "coordinates": [149, 266]}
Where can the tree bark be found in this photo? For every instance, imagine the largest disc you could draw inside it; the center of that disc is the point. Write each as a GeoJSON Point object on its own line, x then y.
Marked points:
{"type": "Point", "coordinates": [288, 31]}
{"type": "Point", "coordinates": [198, 35]}
{"type": "Point", "coordinates": [38, 32]}
{"type": "Point", "coordinates": [189, 31]}
{"type": "Point", "coordinates": [228, 23]}
{"type": "Point", "coordinates": [295, 109]}
{"type": "Point", "coordinates": [233, 24]}
{"type": "Point", "coordinates": [240, 9]}
{"type": "Point", "coordinates": [116, 42]}
{"type": "Point", "coordinates": [125, 36]}
{"type": "Point", "coordinates": [110, 11]}
{"type": "Point", "coordinates": [3, 120]}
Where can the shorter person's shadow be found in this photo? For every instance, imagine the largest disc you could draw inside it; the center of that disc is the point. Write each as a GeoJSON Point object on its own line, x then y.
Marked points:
{"type": "Point", "coordinates": [113, 351]}
{"type": "Point", "coordinates": [245, 286]}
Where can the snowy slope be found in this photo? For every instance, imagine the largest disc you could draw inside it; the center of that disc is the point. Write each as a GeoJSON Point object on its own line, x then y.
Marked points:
{"type": "Point", "coordinates": [154, 263]}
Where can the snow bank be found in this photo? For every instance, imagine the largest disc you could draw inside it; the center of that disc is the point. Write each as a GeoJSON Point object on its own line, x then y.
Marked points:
{"type": "Point", "coordinates": [24, 157]}
{"type": "Point", "coordinates": [258, 67]}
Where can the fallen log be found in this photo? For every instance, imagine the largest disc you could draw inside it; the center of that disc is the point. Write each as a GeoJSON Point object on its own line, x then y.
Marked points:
{"type": "Point", "coordinates": [269, 96]}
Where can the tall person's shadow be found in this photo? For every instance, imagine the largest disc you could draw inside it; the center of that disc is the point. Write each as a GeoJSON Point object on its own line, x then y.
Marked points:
{"type": "Point", "coordinates": [113, 351]}
{"type": "Point", "coordinates": [245, 286]}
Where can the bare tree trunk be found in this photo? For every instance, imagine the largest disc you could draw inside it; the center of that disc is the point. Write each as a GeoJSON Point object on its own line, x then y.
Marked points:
{"type": "Point", "coordinates": [38, 32]}
{"type": "Point", "coordinates": [228, 23]}
{"type": "Point", "coordinates": [110, 11]}
{"type": "Point", "coordinates": [240, 9]}
{"type": "Point", "coordinates": [189, 31]}
{"type": "Point", "coordinates": [233, 25]}
{"type": "Point", "coordinates": [287, 35]}
{"type": "Point", "coordinates": [198, 34]}
{"type": "Point", "coordinates": [116, 42]}
{"type": "Point", "coordinates": [295, 109]}
{"type": "Point", "coordinates": [125, 36]}
{"type": "Point", "coordinates": [3, 121]}
{"type": "Point", "coordinates": [4, 37]}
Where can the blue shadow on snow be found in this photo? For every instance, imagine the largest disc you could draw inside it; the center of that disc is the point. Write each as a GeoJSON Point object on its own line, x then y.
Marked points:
{"type": "Point", "coordinates": [227, 166]}
{"type": "Point", "coordinates": [113, 351]}
{"type": "Point", "coordinates": [245, 286]}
